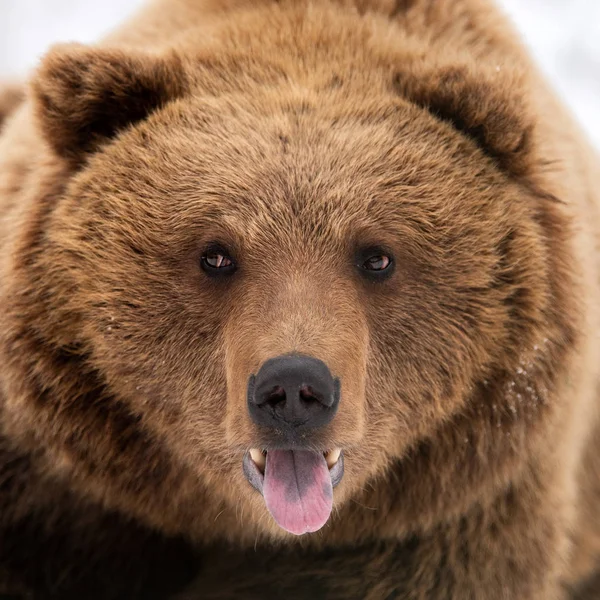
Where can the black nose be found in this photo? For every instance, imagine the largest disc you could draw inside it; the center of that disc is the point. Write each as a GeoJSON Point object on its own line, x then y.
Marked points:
{"type": "Point", "coordinates": [293, 391]}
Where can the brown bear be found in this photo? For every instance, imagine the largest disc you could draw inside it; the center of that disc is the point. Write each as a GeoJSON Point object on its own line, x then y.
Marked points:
{"type": "Point", "coordinates": [299, 299]}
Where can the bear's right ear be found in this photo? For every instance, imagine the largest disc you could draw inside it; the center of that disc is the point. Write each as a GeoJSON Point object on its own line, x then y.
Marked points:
{"type": "Point", "coordinates": [84, 96]}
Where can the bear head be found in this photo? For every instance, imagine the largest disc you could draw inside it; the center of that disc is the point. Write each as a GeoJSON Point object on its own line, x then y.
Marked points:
{"type": "Point", "coordinates": [251, 278]}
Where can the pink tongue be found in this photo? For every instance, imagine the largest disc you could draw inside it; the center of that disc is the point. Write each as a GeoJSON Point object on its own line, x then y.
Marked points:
{"type": "Point", "coordinates": [297, 489]}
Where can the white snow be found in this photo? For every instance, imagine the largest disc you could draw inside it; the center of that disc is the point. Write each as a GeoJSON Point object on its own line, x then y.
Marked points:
{"type": "Point", "coordinates": [564, 36]}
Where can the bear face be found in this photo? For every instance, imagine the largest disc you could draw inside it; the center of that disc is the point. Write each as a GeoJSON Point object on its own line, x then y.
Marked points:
{"type": "Point", "coordinates": [198, 226]}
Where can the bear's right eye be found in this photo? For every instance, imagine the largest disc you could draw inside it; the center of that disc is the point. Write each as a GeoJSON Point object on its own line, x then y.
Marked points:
{"type": "Point", "coordinates": [217, 261]}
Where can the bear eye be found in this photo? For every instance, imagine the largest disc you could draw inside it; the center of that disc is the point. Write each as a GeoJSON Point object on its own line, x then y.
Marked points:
{"type": "Point", "coordinates": [375, 263]}
{"type": "Point", "coordinates": [217, 261]}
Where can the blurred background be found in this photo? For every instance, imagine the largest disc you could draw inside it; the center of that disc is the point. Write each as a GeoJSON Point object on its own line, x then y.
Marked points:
{"type": "Point", "coordinates": [564, 36]}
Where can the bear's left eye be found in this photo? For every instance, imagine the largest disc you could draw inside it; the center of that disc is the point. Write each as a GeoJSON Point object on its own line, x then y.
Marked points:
{"type": "Point", "coordinates": [217, 261]}
{"type": "Point", "coordinates": [375, 263]}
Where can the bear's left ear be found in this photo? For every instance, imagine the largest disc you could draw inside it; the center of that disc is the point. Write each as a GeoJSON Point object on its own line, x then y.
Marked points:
{"type": "Point", "coordinates": [488, 106]}
{"type": "Point", "coordinates": [84, 96]}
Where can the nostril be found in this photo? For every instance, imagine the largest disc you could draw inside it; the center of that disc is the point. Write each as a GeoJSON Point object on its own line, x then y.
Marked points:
{"type": "Point", "coordinates": [275, 396]}
{"type": "Point", "coordinates": [308, 394]}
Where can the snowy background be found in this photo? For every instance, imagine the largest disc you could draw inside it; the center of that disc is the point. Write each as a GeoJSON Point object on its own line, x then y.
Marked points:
{"type": "Point", "coordinates": [564, 36]}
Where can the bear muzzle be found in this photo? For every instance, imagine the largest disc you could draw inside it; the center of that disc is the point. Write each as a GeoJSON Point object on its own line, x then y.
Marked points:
{"type": "Point", "coordinates": [294, 396]}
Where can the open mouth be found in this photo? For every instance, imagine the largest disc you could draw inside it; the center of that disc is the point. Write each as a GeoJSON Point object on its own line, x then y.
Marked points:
{"type": "Point", "coordinates": [297, 485]}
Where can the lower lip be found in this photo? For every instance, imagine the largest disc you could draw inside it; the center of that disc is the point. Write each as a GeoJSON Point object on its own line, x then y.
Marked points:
{"type": "Point", "coordinates": [256, 478]}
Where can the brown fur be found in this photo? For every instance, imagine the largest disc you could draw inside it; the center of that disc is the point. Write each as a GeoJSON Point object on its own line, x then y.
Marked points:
{"type": "Point", "coordinates": [296, 133]}
{"type": "Point", "coordinates": [11, 96]}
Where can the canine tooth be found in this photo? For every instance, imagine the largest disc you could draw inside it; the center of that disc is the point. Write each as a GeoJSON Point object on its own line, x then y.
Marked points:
{"type": "Point", "coordinates": [258, 457]}
{"type": "Point", "coordinates": [333, 456]}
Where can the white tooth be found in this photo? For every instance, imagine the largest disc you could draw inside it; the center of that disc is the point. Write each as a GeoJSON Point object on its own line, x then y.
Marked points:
{"type": "Point", "coordinates": [333, 456]}
{"type": "Point", "coordinates": [258, 457]}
